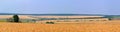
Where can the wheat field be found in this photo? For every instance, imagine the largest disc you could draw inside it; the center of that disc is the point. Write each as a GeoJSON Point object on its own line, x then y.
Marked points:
{"type": "Point", "coordinates": [90, 26]}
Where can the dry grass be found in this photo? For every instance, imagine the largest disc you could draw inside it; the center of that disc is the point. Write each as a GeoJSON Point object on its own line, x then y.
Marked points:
{"type": "Point", "coordinates": [93, 26]}
{"type": "Point", "coordinates": [65, 16]}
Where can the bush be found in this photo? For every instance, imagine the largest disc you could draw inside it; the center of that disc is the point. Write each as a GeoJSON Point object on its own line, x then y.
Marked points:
{"type": "Point", "coordinates": [50, 23]}
{"type": "Point", "coordinates": [9, 19]}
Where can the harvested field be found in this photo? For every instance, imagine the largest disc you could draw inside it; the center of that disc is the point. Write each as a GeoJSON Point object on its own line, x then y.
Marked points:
{"type": "Point", "coordinates": [103, 26]}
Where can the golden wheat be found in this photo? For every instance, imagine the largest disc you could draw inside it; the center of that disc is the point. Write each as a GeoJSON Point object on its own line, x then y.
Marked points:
{"type": "Point", "coordinates": [94, 26]}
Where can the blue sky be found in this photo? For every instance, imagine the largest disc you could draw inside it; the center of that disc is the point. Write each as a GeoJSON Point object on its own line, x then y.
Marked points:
{"type": "Point", "coordinates": [111, 7]}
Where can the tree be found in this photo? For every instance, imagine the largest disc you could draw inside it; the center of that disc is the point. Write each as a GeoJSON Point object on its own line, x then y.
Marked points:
{"type": "Point", "coordinates": [16, 18]}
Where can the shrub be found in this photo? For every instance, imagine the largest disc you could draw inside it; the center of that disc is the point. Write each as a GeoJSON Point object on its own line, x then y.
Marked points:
{"type": "Point", "coordinates": [50, 23]}
{"type": "Point", "coordinates": [10, 19]}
